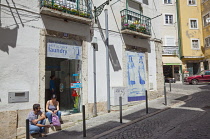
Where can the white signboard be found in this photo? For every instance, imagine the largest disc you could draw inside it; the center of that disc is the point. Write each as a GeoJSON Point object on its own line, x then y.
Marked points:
{"type": "Point", "coordinates": [63, 51]}
{"type": "Point", "coordinates": [117, 92]}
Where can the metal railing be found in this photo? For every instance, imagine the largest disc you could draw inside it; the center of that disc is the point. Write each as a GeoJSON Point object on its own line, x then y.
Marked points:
{"type": "Point", "coordinates": [170, 50]}
{"type": "Point", "coordinates": [76, 7]}
{"type": "Point", "coordinates": [135, 21]}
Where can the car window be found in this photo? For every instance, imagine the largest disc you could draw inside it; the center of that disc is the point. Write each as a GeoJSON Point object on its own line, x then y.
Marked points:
{"type": "Point", "coordinates": [201, 73]}
{"type": "Point", "coordinates": [207, 73]}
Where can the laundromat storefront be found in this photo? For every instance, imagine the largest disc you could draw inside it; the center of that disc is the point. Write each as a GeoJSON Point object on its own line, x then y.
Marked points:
{"type": "Point", "coordinates": [63, 73]}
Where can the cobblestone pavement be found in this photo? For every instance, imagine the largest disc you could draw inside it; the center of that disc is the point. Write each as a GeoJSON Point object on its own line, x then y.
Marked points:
{"type": "Point", "coordinates": [187, 120]}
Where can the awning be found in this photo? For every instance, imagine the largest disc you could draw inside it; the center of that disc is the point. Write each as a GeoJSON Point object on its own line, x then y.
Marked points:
{"type": "Point", "coordinates": [171, 61]}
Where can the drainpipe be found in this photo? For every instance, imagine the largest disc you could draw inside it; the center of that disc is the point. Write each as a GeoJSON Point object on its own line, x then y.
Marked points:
{"type": "Point", "coordinates": [107, 60]}
{"type": "Point", "coordinates": [179, 36]}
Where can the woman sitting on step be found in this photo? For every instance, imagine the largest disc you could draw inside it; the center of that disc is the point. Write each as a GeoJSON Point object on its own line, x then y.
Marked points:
{"type": "Point", "coordinates": [52, 107]}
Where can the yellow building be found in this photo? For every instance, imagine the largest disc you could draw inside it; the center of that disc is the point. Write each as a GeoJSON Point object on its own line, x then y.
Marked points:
{"type": "Point", "coordinates": [205, 12]}
{"type": "Point", "coordinates": [190, 35]}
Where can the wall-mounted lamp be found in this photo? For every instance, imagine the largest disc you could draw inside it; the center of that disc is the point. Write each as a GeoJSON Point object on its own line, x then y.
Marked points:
{"type": "Point", "coordinates": [94, 40]}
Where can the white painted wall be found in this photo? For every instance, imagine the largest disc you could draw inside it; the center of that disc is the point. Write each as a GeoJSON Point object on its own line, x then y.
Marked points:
{"type": "Point", "coordinates": [20, 63]}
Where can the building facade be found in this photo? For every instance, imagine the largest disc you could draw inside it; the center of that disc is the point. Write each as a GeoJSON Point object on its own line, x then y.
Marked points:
{"type": "Point", "coordinates": [169, 32]}
{"type": "Point", "coordinates": [191, 36]}
{"type": "Point", "coordinates": [205, 13]}
{"type": "Point", "coordinates": [60, 38]}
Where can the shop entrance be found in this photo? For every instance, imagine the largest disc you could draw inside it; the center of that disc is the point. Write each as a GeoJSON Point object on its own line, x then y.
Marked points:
{"type": "Point", "coordinates": [66, 72]}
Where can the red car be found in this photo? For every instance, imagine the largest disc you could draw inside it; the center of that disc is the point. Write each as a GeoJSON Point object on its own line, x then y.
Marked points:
{"type": "Point", "coordinates": [203, 76]}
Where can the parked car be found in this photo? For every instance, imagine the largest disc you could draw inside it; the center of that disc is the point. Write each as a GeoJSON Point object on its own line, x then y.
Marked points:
{"type": "Point", "coordinates": [168, 79]}
{"type": "Point", "coordinates": [203, 76]}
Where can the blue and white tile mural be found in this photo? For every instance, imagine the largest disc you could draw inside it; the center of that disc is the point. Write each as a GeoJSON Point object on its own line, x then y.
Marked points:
{"type": "Point", "coordinates": [136, 76]}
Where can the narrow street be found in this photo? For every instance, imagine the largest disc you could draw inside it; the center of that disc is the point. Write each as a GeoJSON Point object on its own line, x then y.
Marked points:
{"type": "Point", "coordinates": [187, 117]}
{"type": "Point", "coordinates": [188, 121]}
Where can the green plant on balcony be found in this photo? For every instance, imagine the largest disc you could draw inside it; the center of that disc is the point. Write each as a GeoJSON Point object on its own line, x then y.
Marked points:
{"type": "Point", "coordinates": [142, 29]}
{"type": "Point", "coordinates": [55, 6]}
{"type": "Point", "coordinates": [75, 12]}
{"type": "Point", "coordinates": [64, 9]}
{"type": "Point", "coordinates": [132, 27]}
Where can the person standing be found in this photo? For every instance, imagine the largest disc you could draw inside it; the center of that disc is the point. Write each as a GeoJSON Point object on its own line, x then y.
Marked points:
{"type": "Point", "coordinates": [36, 123]}
{"type": "Point", "coordinates": [52, 85]}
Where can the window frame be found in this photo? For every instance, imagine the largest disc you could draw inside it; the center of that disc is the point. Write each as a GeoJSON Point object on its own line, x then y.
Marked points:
{"type": "Point", "coordinates": [165, 19]}
{"type": "Point", "coordinates": [191, 4]}
{"type": "Point", "coordinates": [172, 3]}
{"type": "Point", "coordinates": [205, 44]}
{"type": "Point", "coordinates": [205, 24]}
{"type": "Point", "coordinates": [192, 39]}
{"type": "Point", "coordinates": [190, 19]}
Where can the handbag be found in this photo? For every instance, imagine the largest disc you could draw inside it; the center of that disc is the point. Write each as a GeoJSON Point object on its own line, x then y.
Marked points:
{"type": "Point", "coordinates": [56, 120]}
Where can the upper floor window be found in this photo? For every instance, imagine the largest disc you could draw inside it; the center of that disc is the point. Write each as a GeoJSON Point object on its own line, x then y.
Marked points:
{"type": "Point", "coordinates": [193, 23]}
{"type": "Point", "coordinates": [167, 1]}
{"type": "Point", "coordinates": [207, 42]}
{"type": "Point", "coordinates": [192, 2]}
{"type": "Point", "coordinates": [195, 44]}
{"type": "Point", "coordinates": [205, 18]}
{"type": "Point", "coordinates": [168, 19]}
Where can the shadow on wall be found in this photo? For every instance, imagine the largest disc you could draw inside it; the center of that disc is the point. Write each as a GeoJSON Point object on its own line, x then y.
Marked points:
{"type": "Point", "coordinates": [137, 42]}
{"type": "Point", "coordinates": [112, 53]}
{"type": "Point", "coordinates": [8, 38]}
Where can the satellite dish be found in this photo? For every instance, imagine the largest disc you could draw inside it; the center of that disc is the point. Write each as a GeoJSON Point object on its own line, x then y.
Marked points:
{"type": "Point", "coordinates": [208, 20]}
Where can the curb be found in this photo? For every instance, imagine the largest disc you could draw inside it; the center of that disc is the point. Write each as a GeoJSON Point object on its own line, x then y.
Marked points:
{"type": "Point", "coordinates": [142, 118]}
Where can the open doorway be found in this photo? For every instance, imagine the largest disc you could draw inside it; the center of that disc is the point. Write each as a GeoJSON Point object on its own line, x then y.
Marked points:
{"type": "Point", "coordinates": [66, 73]}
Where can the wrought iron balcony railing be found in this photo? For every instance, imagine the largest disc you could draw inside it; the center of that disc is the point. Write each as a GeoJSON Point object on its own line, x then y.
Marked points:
{"type": "Point", "coordinates": [135, 22]}
{"type": "Point", "coordinates": [170, 50]}
{"type": "Point", "coordinates": [75, 7]}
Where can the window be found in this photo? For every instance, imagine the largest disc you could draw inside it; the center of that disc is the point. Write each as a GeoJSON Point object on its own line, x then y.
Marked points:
{"type": "Point", "coordinates": [168, 19]}
{"type": "Point", "coordinates": [191, 2]}
{"type": "Point", "coordinates": [207, 73]}
{"type": "Point", "coordinates": [207, 42]}
{"type": "Point", "coordinates": [195, 44]}
{"type": "Point", "coordinates": [167, 1]}
{"type": "Point", "coordinates": [205, 23]}
{"type": "Point", "coordinates": [193, 23]}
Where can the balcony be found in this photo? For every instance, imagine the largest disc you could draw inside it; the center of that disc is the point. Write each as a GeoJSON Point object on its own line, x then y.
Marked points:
{"type": "Point", "coordinates": [170, 50]}
{"type": "Point", "coordinates": [135, 24]}
{"type": "Point", "coordinates": [74, 10]}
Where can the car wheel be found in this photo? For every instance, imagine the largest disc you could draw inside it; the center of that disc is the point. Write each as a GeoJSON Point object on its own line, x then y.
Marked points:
{"type": "Point", "coordinates": [194, 82]}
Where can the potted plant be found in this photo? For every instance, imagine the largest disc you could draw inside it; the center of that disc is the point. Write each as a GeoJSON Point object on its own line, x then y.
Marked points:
{"type": "Point", "coordinates": [76, 100]}
{"type": "Point", "coordinates": [142, 29]}
{"type": "Point", "coordinates": [125, 26]}
{"type": "Point", "coordinates": [132, 27]}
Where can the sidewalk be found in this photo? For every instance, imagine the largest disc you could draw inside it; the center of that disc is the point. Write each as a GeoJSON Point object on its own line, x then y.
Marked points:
{"type": "Point", "coordinates": [104, 123]}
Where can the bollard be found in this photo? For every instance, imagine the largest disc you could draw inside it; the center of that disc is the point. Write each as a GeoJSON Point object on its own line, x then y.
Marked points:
{"type": "Point", "coordinates": [165, 94]}
{"type": "Point", "coordinates": [146, 102]}
{"type": "Point", "coordinates": [120, 105]}
{"type": "Point", "coordinates": [84, 124]}
{"type": "Point", "coordinates": [170, 84]}
{"type": "Point", "coordinates": [27, 129]}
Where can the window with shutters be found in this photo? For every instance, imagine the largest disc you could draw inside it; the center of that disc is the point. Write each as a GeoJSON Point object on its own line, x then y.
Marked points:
{"type": "Point", "coordinates": [192, 2]}
{"type": "Point", "coordinates": [195, 44]}
{"type": "Point", "coordinates": [205, 18]}
{"type": "Point", "coordinates": [207, 42]}
{"type": "Point", "coordinates": [193, 24]}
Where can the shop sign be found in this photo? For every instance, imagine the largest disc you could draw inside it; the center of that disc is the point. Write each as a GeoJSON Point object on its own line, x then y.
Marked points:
{"type": "Point", "coordinates": [76, 85]}
{"type": "Point", "coordinates": [63, 51]}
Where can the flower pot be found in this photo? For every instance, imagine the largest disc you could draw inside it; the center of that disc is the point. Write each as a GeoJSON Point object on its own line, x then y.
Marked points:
{"type": "Point", "coordinates": [75, 110]}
